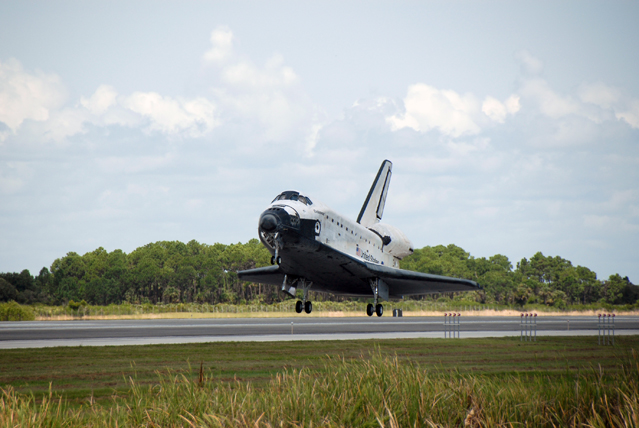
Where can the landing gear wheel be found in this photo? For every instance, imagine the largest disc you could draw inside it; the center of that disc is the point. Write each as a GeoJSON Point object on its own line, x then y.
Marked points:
{"type": "Point", "coordinates": [299, 307]}
{"type": "Point", "coordinates": [272, 260]}
{"type": "Point", "coordinates": [308, 307]}
{"type": "Point", "coordinates": [379, 309]}
{"type": "Point", "coordinates": [370, 309]}
{"type": "Point", "coordinates": [278, 260]}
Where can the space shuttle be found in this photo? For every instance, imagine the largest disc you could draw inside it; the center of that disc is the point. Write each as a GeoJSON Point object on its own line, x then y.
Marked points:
{"type": "Point", "coordinates": [313, 246]}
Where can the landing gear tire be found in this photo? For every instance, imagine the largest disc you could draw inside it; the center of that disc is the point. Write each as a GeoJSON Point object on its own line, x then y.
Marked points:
{"type": "Point", "coordinates": [370, 309]}
{"type": "Point", "coordinates": [276, 260]}
{"type": "Point", "coordinates": [299, 307]}
{"type": "Point", "coordinates": [272, 260]}
{"type": "Point", "coordinates": [379, 309]}
{"type": "Point", "coordinates": [308, 307]}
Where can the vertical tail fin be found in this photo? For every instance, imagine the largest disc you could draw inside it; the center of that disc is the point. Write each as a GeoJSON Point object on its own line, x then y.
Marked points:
{"type": "Point", "coordinates": [373, 207]}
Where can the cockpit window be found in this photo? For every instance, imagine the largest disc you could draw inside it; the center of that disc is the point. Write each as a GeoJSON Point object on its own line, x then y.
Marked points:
{"type": "Point", "coordinates": [292, 196]}
{"type": "Point", "coordinates": [306, 200]}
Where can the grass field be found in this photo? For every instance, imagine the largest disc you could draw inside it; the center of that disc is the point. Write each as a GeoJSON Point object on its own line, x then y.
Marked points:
{"type": "Point", "coordinates": [563, 381]}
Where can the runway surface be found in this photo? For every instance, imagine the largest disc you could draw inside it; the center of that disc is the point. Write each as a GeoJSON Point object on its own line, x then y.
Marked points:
{"type": "Point", "coordinates": [38, 334]}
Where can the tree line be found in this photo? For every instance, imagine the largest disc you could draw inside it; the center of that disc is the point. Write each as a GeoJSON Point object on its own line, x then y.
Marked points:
{"type": "Point", "coordinates": [175, 272]}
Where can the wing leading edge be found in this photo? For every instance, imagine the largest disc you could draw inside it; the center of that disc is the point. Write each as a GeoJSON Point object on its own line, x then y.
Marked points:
{"type": "Point", "coordinates": [272, 275]}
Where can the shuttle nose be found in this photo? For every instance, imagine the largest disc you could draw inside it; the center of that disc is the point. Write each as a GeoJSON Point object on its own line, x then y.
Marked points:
{"type": "Point", "coordinates": [274, 219]}
{"type": "Point", "coordinates": [268, 222]}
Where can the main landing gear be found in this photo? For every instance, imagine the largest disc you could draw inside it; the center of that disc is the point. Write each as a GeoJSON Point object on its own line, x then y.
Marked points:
{"type": "Point", "coordinates": [375, 308]}
{"type": "Point", "coordinates": [304, 304]}
{"type": "Point", "coordinates": [306, 307]}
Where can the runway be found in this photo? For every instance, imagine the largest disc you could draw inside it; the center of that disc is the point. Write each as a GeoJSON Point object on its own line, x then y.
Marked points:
{"type": "Point", "coordinates": [38, 334]}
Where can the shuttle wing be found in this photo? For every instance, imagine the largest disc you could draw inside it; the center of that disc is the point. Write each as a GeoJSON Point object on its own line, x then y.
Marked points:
{"type": "Point", "coordinates": [335, 272]}
{"type": "Point", "coordinates": [264, 275]}
{"type": "Point", "coordinates": [408, 283]}
{"type": "Point", "coordinates": [373, 207]}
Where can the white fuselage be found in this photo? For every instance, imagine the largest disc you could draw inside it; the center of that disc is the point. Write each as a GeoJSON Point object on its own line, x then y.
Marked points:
{"type": "Point", "coordinates": [343, 234]}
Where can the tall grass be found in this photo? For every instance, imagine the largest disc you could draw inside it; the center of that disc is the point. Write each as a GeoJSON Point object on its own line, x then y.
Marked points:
{"type": "Point", "coordinates": [379, 391]}
{"type": "Point", "coordinates": [357, 307]}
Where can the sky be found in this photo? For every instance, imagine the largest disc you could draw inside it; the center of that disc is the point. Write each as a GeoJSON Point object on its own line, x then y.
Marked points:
{"type": "Point", "coordinates": [513, 127]}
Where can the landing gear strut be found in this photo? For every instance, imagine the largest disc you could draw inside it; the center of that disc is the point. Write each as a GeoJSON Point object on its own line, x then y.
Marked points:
{"type": "Point", "coordinates": [277, 243]}
{"type": "Point", "coordinates": [304, 304]}
{"type": "Point", "coordinates": [375, 307]}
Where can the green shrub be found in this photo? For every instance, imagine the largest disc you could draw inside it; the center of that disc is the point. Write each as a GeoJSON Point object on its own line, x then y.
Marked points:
{"type": "Point", "coordinates": [74, 305]}
{"type": "Point", "coordinates": [14, 312]}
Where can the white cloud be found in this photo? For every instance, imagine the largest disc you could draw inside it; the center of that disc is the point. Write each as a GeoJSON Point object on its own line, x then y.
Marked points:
{"type": "Point", "coordinates": [148, 111]}
{"type": "Point", "coordinates": [430, 108]}
{"type": "Point", "coordinates": [596, 103]}
{"type": "Point", "coordinates": [268, 96]}
{"type": "Point", "coordinates": [64, 123]}
{"type": "Point", "coordinates": [529, 64]}
{"type": "Point", "coordinates": [102, 99]}
{"type": "Point", "coordinates": [494, 109]}
{"type": "Point", "coordinates": [173, 116]}
{"type": "Point", "coordinates": [512, 104]}
{"type": "Point", "coordinates": [612, 100]}
{"type": "Point", "coordinates": [39, 97]}
{"type": "Point", "coordinates": [266, 101]}
{"type": "Point", "coordinates": [312, 138]}
{"type": "Point", "coordinates": [548, 101]}
{"type": "Point", "coordinates": [497, 111]}
{"type": "Point", "coordinates": [274, 74]}
{"type": "Point", "coordinates": [222, 44]}
{"type": "Point", "coordinates": [26, 95]}
{"type": "Point", "coordinates": [450, 113]}
{"type": "Point", "coordinates": [599, 94]}
{"type": "Point", "coordinates": [630, 114]}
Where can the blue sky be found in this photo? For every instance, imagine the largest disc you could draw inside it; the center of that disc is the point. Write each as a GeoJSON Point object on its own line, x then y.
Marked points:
{"type": "Point", "coordinates": [513, 126]}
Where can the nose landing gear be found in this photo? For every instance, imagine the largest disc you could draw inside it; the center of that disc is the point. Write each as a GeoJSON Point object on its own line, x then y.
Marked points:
{"type": "Point", "coordinates": [276, 259]}
{"type": "Point", "coordinates": [277, 244]}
